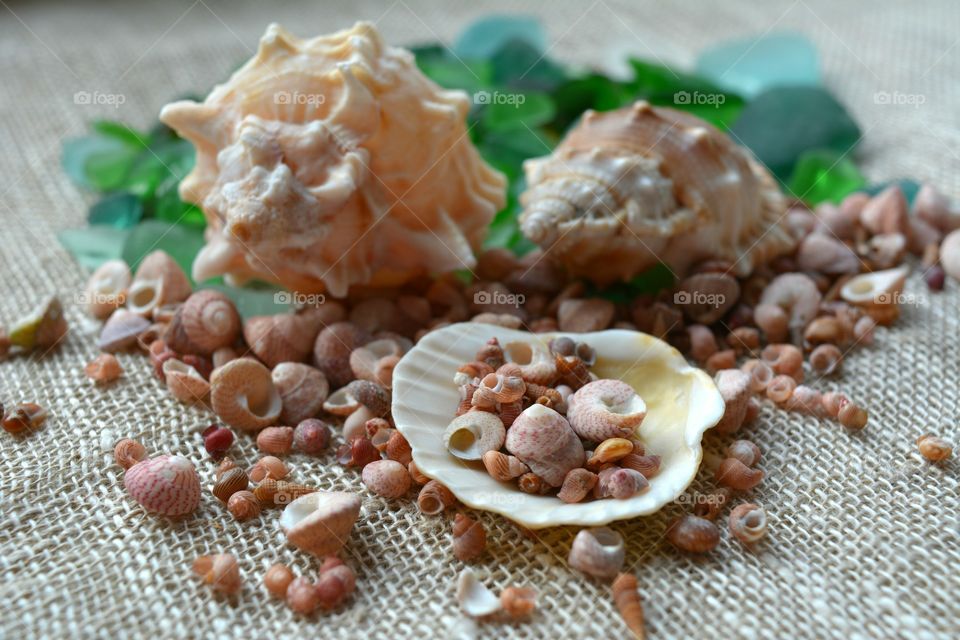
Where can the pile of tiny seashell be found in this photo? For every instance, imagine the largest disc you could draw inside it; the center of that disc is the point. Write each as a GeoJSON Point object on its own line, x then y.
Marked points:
{"type": "Point", "coordinates": [323, 375]}
{"type": "Point", "coordinates": [541, 412]}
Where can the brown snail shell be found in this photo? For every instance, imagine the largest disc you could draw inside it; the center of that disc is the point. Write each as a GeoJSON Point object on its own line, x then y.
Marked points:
{"type": "Point", "coordinates": [207, 321]}
{"type": "Point", "coordinates": [243, 395]}
{"type": "Point", "coordinates": [302, 388]}
{"type": "Point", "coordinates": [469, 538]}
{"type": "Point", "coordinates": [282, 337]}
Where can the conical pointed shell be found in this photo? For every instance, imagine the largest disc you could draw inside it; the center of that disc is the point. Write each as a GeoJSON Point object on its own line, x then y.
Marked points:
{"type": "Point", "coordinates": [243, 395]}
{"type": "Point", "coordinates": [167, 485]}
{"type": "Point", "coordinates": [473, 434]}
{"type": "Point", "coordinates": [320, 522]}
{"type": "Point", "coordinates": [682, 402]}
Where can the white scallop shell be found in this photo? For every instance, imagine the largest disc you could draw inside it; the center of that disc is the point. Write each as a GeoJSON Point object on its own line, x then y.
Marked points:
{"type": "Point", "coordinates": [682, 403]}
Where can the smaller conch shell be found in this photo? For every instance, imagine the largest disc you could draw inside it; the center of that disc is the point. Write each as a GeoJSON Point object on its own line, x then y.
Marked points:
{"type": "Point", "coordinates": [320, 522]}
{"type": "Point", "coordinates": [107, 288]}
{"type": "Point", "coordinates": [606, 409]}
{"type": "Point", "coordinates": [473, 434]}
{"type": "Point", "coordinates": [159, 281]}
{"type": "Point", "coordinates": [543, 440]}
{"type": "Point", "coordinates": [242, 393]}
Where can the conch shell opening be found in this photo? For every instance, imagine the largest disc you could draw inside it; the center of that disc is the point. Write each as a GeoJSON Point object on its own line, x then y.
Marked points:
{"type": "Point", "coordinates": [332, 162]}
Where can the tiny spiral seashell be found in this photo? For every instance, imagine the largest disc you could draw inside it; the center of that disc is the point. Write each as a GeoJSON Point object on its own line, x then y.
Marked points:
{"type": "Point", "coordinates": [509, 412]}
{"type": "Point", "coordinates": [220, 571]}
{"type": "Point", "coordinates": [745, 451]}
{"type": "Point", "coordinates": [693, 534]}
{"type": "Point", "coordinates": [268, 467]}
{"type": "Point", "coordinates": [275, 440]}
{"type": "Point", "coordinates": [543, 440]}
{"type": "Point", "coordinates": [735, 387]}
{"type": "Point", "coordinates": [243, 395]}
{"type": "Point", "coordinates": [387, 478]}
{"type": "Point", "coordinates": [332, 349]}
{"type": "Point", "coordinates": [576, 485]}
{"type": "Point", "coordinates": [471, 371]}
{"type": "Point", "coordinates": [311, 436]}
{"type": "Point", "coordinates": [416, 475]}
{"type": "Point", "coordinates": [733, 473]}
{"type": "Point", "coordinates": [277, 580]}
{"type": "Point", "coordinates": [320, 523]}
{"type": "Point", "coordinates": [469, 538]}
{"type": "Point", "coordinates": [533, 484]}
{"type": "Point", "coordinates": [107, 288]}
{"type": "Point", "coordinates": [497, 388]}
{"type": "Point", "coordinates": [435, 498]}
{"type": "Point", "coordinates": [359, 452]}
{"type": "Point", "coordinates": [302, 596]}
{"type": "Point", "coordinates": [648, 465]}
{"type": "Point", "coordinates": [537, 364]}
{"type": "Point", "coordinates": [371, 395]}
{"type": "Point", "coordinates": [225, 465]}
{"type": "Point", "coordinates": [619, 483]}
{"type": "Point", "coordinates": [103, 369]}
{"type": "Point", "coordinates": [628, 603]}
{"type": "Point", "coordinates": [284, 337]}
{"type": "Point", "coordinates": [518, 602]}
{"type": "Point", "coordinates": [207, 321]}
{"type": "Point", "coordinates": [748, 523]}
{"type": "Point", "coordinates": [302, 388]}
{"type": "Point", "coordinates": [598, 552]}
{"type": "Point", "coordinates": [128, 452]}
{"type": "Point", "coordinates": [184, 382]}
{"type": "Point", "coordinates": [279, 493]}
{"type": "Point", "coordinates": [159, 281]}
{"type": "Point", "coordinates": [573, 371]}
{"type": "Point", "coordinates": [502, 467]}
{"type": "Point", "coordinates": [933, 448]}
{"type": "Point", "coordinates": [473, 434]}
{"type": "Point", "coordinates": [606, 409]}
{"type": "Point", "coordinates": [243, 505]}
{"type": "Point", "coordinates": [492, 354]}
{"type": "Point", "coordinates": [229, 483]}
{"type": "Point", "coordinates": [398, 449]}
{"type": "Point", "coordinates": [167, 485]}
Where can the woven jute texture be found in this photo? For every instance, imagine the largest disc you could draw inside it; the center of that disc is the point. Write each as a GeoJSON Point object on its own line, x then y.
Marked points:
{"type": "Point", "coordinates": [863, 539]}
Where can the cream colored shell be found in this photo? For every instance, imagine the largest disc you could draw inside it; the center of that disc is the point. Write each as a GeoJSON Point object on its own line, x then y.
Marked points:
{"type": "Point", "coordinates": [629, 188]}
{"type": "Point", "coordinates": [682, 402]}
{"type": "Point", "coordinates": [334, 161]}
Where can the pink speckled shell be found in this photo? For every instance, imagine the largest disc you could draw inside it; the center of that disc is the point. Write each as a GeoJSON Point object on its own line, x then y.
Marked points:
{"type": "Point", "coordinates": [543, 440]}
{"type": "Point", "coordinates": [590, 412]}
{"type": "Point", "coordinates": [387, 478]}
{"type": "Point", "coordinates": [167, 485]}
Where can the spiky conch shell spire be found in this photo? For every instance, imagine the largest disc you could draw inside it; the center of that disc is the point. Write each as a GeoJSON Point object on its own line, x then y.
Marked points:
{"type": "Point", "coordinates": [334, 162]}
{"type": "Point", "coordinates": [627, 189]}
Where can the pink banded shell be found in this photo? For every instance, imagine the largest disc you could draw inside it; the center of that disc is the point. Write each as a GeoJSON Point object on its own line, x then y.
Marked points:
{"type": "Point", "coordinates": [167, 485]}
{"type": "Point", "coordinates": [605, 409]}
{"type": "Point", "coordinates": [543, 440]}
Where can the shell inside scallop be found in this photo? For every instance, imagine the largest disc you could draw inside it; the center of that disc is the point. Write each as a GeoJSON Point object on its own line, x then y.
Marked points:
{"type": "Point", "coordinates": [682, 403]}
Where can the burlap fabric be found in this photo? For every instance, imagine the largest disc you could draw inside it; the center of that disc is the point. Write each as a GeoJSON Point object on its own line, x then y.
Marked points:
{"type": "Point", "coordinates": [863, 536]}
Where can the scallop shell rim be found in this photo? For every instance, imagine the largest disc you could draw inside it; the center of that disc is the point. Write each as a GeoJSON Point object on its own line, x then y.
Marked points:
{"type": "Point", "coordinates": [436, 357]}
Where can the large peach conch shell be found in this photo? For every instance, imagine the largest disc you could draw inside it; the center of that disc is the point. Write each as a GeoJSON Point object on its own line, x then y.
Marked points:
{"type": "Point", "coordinates": [629, 188]}
{"type": "Point", "coordinates": [334, 161]}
